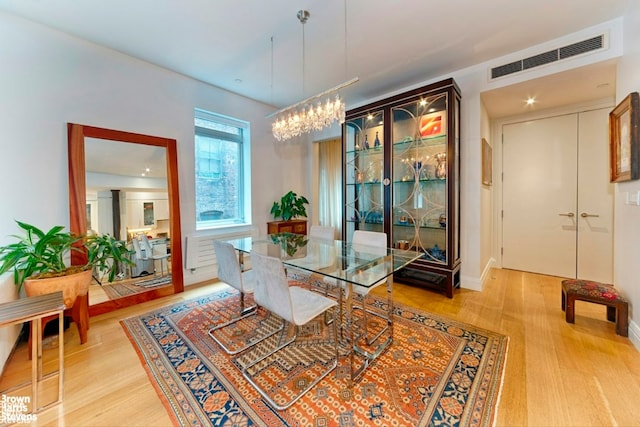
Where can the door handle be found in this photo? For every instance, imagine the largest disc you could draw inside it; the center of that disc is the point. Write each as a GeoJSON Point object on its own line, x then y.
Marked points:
{"type": "Point", "coordinates": [586, 215]}
{"type": "Point", "coordinates": [570, 214]}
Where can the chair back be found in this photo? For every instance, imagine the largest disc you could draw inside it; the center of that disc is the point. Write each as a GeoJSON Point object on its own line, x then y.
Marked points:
{"type": "Point", "coordinates": [374, 242]}
{"type": "Point", "coordinates": [272, 286]}
{"type": "Point", "coordinates": [322, 232]}
{"type": "Point", "coordinates": [142, 247]}
{"type": "Point", "coordinates": [228, 265]}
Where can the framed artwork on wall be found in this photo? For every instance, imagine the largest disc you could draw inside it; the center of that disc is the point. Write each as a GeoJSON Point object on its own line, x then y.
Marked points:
{"type": "Point", "coordinates": [487, 166]}
{"type": "Point", "coordinates": [624, 160]}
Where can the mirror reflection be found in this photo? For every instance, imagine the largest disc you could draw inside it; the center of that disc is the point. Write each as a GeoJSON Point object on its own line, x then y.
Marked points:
{"type": "Point", "coordinates": [127, 197]}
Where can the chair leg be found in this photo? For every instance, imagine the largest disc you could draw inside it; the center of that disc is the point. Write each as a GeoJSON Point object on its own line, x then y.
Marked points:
{"type": "Point", "coordinates": [301, 393]}
{"type": "Point", "coordinates": [243, 313]}
{"type": "Point", "coordinates": [365, 319]}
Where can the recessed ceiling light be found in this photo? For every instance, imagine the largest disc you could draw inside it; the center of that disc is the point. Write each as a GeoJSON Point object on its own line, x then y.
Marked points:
{"type": "Point", "coordinates": [531, 101]}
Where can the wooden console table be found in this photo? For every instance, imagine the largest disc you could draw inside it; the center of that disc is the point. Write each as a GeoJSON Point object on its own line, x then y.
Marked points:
{"type": "Point", "coordinates": [34, 309]}
{"type": "Point", "coordinates": [296, 226]}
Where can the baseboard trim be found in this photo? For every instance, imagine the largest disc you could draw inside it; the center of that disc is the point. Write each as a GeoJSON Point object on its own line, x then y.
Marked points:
{"type": "Point", "coordinates": [634, 334]}
{"type": "Point", "coordinates": [477, 283]}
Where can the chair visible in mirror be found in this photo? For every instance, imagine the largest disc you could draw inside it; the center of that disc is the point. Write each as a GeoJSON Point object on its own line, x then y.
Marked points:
{"type": "Point", "coordinates": [294, 305]}
{"type": "Point", "coordinates": [144, 262]}
{"type": "Point", "coordinates": [229, 272]}
{"type": "Point", "coordinates": [159, 253]}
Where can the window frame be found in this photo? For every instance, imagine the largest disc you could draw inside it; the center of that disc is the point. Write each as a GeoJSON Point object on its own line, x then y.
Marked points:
{"type": "Point", "coordinates": [244, 162]}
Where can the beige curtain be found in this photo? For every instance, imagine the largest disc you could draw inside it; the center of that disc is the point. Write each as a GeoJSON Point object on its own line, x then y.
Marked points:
{"type": "Point", "coordinates": [330, 184]}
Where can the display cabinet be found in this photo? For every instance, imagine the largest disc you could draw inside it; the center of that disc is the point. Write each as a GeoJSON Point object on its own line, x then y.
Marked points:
{"type": "Point", "coordinates": [401, 176]}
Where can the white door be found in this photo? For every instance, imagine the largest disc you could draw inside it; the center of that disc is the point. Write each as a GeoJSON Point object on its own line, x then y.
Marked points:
{"type": "Point", "coordinates": [557, 200]}
{"type": "Point", "coordinates": [595, 198]}
{"type": "Point", "coordinates": [539, 196]}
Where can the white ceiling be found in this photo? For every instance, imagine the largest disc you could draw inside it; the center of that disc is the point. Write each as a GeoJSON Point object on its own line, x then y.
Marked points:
{"type": "Point", "coordinates": [389, 44]}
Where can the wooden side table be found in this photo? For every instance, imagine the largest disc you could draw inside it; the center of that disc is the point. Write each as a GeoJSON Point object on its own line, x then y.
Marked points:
{"type": "Point", "coordinates": [297, 226]}
{"type": "Point", "coordinates": [34, 309]}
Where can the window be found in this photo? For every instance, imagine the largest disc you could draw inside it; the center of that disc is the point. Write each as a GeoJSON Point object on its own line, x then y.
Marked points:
{"type": "Point", "coordinates": [222, 167]}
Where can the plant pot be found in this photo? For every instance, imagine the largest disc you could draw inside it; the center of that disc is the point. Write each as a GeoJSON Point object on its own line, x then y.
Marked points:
{"type": "Point", "coordinates": [72, 286]}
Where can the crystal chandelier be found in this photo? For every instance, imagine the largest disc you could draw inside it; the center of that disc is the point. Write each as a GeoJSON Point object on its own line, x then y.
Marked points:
{"type": "Point", "coordinates": [314, 113]}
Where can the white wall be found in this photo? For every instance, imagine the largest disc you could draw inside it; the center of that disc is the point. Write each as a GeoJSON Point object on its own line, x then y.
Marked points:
{"type": "Point", "coordinates": [48, 78]}
{"type": "Point", "coordinates": [487, 229]}
{"type": "Point", "coordinates": [626, 251]}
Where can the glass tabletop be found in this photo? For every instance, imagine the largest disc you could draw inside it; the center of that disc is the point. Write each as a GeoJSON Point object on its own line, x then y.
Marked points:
{"type": "Point", "coordinates": [357, 264]}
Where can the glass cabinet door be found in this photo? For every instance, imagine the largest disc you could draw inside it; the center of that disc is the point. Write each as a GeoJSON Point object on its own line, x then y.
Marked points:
{"type": "Point", "coordinates": [364, 167]}
{"type": "Point", "coordinates": [419, 177]}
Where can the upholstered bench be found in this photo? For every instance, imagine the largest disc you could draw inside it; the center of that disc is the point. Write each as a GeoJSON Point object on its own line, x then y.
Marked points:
{"type": "Point", "coordinates": [586, 290]}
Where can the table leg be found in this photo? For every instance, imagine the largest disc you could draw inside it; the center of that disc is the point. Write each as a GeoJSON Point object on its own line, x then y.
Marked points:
{"type": "Point", "coordinates": [60, 356]}
{"type": "Point", "coordinates": [390, 308]}
{"type": "Point", "coordinates": [241, 260]}
{"type": "Point", "coordinates": [36, 360]}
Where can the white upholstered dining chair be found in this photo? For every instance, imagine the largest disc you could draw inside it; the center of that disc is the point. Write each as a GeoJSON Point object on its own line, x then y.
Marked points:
{"type": "Point", "coordinates": [229, 272]}
{"type": "Point", "coordinates": [294, 305]}
{"type": "Point", "coordinates": [322, 232]}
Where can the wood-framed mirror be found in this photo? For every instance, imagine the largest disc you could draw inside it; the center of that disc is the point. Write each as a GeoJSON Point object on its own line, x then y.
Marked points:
{"type": "Point", "coordinates": [109, 195]}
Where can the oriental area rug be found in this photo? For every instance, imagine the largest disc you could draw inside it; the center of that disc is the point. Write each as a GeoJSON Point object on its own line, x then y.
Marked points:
{"type": "Point", "coordinates": [436, 372]}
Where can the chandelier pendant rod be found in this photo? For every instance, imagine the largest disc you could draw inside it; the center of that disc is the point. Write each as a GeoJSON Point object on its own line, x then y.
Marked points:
{"type": "Point", "coordinates": [314, 97]}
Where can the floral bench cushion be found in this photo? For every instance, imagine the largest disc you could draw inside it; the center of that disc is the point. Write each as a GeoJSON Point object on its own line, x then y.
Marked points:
{"type": "Point", "coordinates": [592, 289]}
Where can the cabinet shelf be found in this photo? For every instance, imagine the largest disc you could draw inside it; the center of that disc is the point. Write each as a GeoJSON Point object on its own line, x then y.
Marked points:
{"type": "Point", "coordinates": [421, 142]}
{"type": "Point", "coordinates": [413, 174]}
{"type": "Point", "coordinates": [408, 181]}
{"type": "Point", "coordinates": [379, 151]}
{"type": "Point", "coordinates": [399, 224]}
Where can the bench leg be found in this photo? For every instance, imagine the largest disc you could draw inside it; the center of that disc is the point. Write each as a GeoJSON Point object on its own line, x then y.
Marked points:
{"type": "Point", "coordinates": [611, 313]}
{"type": "Point", "coordinates": [570, 308]}
{"type": "Point", "coordinates": [622, 319]}
{"type": "Point", "coordinates": [564, 300]}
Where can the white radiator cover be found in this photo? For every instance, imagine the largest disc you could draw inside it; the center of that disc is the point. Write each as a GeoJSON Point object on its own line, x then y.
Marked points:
{"type": "Point", "coordinates": [199, 250]}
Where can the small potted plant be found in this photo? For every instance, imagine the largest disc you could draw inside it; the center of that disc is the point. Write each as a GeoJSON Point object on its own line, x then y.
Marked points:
{"type": "Point", "coordinates": [291, 206]}
{"type": "Point", "coordinates": [38, 260]}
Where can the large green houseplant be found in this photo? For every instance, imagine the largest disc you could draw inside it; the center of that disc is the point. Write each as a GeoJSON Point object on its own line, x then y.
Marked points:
{"type": "Point", "coordinates": [38, 257]}
{"type": "Point", "coordinates": [291, 206]}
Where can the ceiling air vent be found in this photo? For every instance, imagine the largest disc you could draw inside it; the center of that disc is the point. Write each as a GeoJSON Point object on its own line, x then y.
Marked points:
{"type": "Point", "coordinates": [590, 45]}
{"type": "Point", "coordinates": [582, 47]}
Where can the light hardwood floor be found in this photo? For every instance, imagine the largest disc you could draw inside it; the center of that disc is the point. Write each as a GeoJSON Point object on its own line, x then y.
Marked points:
{"type": "Point", "coordinates": [556, 375]}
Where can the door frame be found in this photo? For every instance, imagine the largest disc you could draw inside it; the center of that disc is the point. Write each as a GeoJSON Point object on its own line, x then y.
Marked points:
{"type": "Point", "coordinates": [496, 135]}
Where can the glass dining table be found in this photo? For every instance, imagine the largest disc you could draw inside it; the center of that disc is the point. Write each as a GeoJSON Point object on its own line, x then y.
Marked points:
{"type": "Point", "coordinates": [344, 268]}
